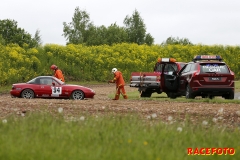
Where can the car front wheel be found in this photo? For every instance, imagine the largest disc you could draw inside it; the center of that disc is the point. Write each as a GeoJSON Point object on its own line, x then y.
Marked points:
{"type": "Point", "coordinates": [27, 93]}
{"type": "Point", "coordinates": [189, 94]}
{"type": "Point", "coordinates": [77, 95]}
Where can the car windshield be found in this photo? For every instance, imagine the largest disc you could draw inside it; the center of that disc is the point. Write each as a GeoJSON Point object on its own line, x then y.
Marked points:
{"type": "Point", "coordinates": [214, 68]}
{"type": "Point", "coordinates": [169, 67]}
{"type": "Point", "coordinates": [33, 81]}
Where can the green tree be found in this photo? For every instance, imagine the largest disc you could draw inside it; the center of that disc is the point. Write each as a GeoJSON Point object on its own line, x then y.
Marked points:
{"type": "Point", "coordinates": [149, 40]}
{"type": "Point", "coordinates": [2, 41]}
{"type": "Point", "coordinates": [11, 33]}
{"type": "Point", "coordinates": [173, 41]}
{"type": "Point", "coordinates": [102, 35]}
{"type": "Point", "coordinates": [136, 29]}
{"type": "Point", "coordinates": [37, 38]}
{"type": "Point", "coordinates": [116, 34]}
{"type": "Point", "coordinates": [96, 35]}
{"type": "Point", "coordinates": [76, 32]}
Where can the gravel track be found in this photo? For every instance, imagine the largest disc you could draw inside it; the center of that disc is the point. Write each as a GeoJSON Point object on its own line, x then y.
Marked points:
{"type": "Point", "coordinates": [224, 114]}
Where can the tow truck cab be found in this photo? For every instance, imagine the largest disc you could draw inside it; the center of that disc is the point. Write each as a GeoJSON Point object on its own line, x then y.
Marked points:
{"type": "Point", "coordinates": [160, 80]}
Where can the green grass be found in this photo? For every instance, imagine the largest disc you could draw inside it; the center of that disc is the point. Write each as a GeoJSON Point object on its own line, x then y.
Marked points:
{"type": "Point", "coordinates": [5, 89]}
{"type": "Point", "coordinates": [163, 97]}
{"type": "Point", "coordinates": [237, 86]}
{"type": "Point", "coordinates": [110, 137]}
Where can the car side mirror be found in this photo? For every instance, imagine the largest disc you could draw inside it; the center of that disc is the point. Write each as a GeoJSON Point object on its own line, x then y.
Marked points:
{"type": "Point", "coordinates": [53, 83]}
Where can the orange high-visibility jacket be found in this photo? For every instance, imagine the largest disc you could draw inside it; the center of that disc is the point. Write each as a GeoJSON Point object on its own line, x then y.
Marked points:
{"type": "Point", "coordinates": [118, 78]}
{"type": "Point", "coordinates": [59, 75]}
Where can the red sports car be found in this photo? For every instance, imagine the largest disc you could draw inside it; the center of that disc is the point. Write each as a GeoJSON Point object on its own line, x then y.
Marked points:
{"type": "Point", "coordinates": [50, 87]}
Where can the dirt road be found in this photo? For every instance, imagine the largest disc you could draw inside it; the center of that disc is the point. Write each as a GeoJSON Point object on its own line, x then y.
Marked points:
{"type": "Point", "coordinates": [224, 114]}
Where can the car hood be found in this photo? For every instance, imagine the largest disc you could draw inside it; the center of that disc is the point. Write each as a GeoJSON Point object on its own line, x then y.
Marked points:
{"type": "Point", "coordinates": [20, 83]}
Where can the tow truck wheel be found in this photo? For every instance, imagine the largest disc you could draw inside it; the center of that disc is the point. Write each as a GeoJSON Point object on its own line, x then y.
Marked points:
{"type": "Point", "coordinates": [146, 94]}
{"type": "Point", "coordinates": [159, 91]}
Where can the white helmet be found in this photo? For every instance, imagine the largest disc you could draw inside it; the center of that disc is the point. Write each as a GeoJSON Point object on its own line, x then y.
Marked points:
{"type": "Point", "coordinates": [114, 70]}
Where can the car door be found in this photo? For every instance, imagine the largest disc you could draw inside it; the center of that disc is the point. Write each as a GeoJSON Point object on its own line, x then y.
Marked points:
{"type": "Point", "coordinates": [183, 76]}
{"type": "Point", "coordinates": [45, 87]}
{"type": "Point", "coordinates": [58, 90]}
{"type": "Point", "coordinates": [169, 80]}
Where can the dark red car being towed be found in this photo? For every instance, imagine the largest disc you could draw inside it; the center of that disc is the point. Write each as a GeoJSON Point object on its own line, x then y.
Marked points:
{"type": "Point", "coordinates": [206, 76]}
{"type": "Point", "coordinates": [50, 87]}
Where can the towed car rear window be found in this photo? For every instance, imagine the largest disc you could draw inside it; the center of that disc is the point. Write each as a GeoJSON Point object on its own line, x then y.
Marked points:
{"type": "Point", "coordinates": [214, 67]}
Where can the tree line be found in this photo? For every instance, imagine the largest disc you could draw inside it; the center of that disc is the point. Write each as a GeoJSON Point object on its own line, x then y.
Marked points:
{"type": "Point", "coordinates": [81, 30]}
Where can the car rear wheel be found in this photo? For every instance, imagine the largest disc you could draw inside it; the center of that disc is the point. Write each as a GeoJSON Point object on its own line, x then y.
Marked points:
{"type": "Point", "coordinates": [189, 94]}
{"type": "Point", "coordinates": [77, 95]}
{"type": "Point", "coordinates": [230, 96]}
{"type": "Point", "coordinates": [172, 95]}
{"type": "Point", "coordinates": [27, 93]}
{"type": "Point", "coordinates": [211, 97]}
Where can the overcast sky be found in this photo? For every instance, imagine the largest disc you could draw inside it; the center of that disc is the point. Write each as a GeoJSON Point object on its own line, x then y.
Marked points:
{"type": "Point", "coordinates": [206, 22]}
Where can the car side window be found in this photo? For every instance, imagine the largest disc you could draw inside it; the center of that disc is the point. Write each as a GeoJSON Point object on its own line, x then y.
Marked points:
{"type": "Point", "coordinates": [46, 81]}
{"type": "Point", "coordinates": [53, 81]}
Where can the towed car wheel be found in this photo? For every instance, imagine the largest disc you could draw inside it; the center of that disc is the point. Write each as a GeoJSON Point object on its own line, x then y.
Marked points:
{"type": "Point", "coordinates": [27, 93]}
{"type": "Point", "coordinates": [77, 95]}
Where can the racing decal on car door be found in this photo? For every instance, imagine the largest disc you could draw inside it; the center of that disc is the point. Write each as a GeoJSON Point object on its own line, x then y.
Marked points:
{"type": "Point", "coordinates": [56, 91]}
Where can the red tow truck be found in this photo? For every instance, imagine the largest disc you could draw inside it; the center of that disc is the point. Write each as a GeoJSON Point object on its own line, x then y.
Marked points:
{"type": "Point", "coordinates": [162, 79]}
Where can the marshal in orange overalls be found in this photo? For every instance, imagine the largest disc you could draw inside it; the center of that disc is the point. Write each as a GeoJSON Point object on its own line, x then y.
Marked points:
{"type": "Point", "coordinates": [57, 72]}
{"type": "Point", "coordinates": [118, 79]}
